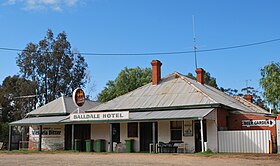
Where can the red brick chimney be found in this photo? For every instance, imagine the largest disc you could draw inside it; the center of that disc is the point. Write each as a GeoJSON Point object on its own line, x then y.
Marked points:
{"type": "Point", "coordinates": [249, 98]}
{"type": "Point", "coordinates": [200, 75]}
{"type": "Point", "coordinates": [156, 71]}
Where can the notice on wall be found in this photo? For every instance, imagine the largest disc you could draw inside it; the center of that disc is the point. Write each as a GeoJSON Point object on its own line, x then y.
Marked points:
{"type": "Point", "coordinates": [99, 116]}
{"type": "Point", "coordinates": [188, 128]}
{"type": "Point", "coordinates": [254, 123]}
{"type": "Point", "coordinates": [52, 137]}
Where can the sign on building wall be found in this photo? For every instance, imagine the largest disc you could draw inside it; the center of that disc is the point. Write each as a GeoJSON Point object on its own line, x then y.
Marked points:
{"type": "Point", "coordinates": [253, 123]}
{"type": "Point", "coordinates": [188, 128]}
{"type": "Point", "coordinates": [99, 116]}
{"type": "Point", "coordinates": [52, 137]}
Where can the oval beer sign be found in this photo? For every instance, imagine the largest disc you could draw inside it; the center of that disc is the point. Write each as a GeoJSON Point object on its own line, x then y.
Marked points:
{"type": "Point", "coordinates": [79, 97]}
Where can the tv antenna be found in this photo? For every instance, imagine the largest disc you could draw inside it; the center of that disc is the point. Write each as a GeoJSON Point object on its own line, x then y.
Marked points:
{"type": "Point", "coordinates": [247, 85]}
{"type": "Point", "coordinates": [194, 43]}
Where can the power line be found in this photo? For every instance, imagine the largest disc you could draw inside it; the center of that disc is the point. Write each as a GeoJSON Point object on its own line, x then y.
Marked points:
{"type": "Point", "coordinates": [161, 53]}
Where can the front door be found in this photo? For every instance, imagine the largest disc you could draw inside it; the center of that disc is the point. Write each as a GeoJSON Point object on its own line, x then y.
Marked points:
{"type": "Point", "coordinates": [82, 132]}
{"type": "Point", "coordinates": [197, 128]}
{"type": "Point", "coordinates": [146, 135]}
{"type": "Point", "coordinates": [68, 137]}
{"type": "Point", "coordinates": [116, 132]}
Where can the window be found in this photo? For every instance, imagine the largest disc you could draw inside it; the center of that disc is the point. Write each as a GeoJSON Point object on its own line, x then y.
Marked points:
{"type": "Point", "coordinates": [176, 130]}
{"type": "Point", "coordinates": [132, 129]}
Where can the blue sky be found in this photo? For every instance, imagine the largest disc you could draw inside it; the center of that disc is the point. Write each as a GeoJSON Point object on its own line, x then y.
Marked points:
{"type": "Point", "coordinates": [140, 26]}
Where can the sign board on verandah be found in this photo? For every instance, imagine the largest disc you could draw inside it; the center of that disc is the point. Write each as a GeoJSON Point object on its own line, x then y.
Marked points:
{"type": "Point", "coordinates": [99, 116]}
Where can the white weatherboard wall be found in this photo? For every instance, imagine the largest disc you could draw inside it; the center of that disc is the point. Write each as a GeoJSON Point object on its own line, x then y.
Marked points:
{"type": "Point", "coordinates": [164, 131]}
{"type": "Point", "coordinates": [278, 134]}
{"type": "Point", "coordinates": [123, 136]}
{"type": "Point", "coordinates": [212, 130]}
{"type": "Point", "coordinates": [245, 141]}
{"type": "Point", "coordinates": [100, 131]}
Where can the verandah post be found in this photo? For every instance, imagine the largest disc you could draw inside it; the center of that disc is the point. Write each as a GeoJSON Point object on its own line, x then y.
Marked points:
{"type": "Point", "coordinates": [10, 137]}
{"type": "Point", "coordinates": [154, 137]}
{"type": "Point", "coordinates": [111, 137]}
{"type": "Point", "coordinates": [40, 138]}
{"type": "Point", "coordinates": [201, 133]}
{"type": "Point", "coordinates": [72, 136]}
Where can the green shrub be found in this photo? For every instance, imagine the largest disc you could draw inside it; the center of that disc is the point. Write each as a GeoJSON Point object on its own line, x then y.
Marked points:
{"type": "Point", "coordinates": [4, 133]}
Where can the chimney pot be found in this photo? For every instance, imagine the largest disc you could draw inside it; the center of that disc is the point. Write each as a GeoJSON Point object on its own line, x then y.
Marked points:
{"type": "Point", "coordinates": [156, 71]}
{"type": "Point", "coordinates": [249, 98]}
{"type": "Point", "coordinates": [200, 75]}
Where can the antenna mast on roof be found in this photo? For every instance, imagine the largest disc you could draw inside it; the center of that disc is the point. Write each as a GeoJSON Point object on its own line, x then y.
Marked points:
{"type": "Point", "coordinates": [194, 43]}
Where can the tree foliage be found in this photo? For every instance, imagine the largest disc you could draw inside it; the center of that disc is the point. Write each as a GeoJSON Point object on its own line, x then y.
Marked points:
{"type": "Point", "coordinates": [257, 99]}
{"type": "Point", "coordinates": [14, 105]}
{"type": "Point", "coordinates": [127, 80]}
{"type": "Point", "coordinates": [207, 79]}
{"type": "Point", "coordinates": [270, 82]}
{"type": "Point", "coordinates": [4, 133]}
{"type": "Point", "coordinates": [52, 64]}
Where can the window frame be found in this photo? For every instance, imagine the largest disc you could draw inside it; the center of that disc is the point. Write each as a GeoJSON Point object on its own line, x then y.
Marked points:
{"type": "Point", "coordinates": [132, 129]}
{"type": "Point", "coordinates": [178, 127]}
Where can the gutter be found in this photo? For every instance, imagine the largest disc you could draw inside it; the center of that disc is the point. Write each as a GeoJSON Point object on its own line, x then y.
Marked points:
{"type": "Point", "coordinates": [198, 106]}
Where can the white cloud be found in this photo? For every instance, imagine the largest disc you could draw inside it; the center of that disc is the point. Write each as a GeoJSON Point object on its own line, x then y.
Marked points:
{"type": "Point", "coordinates": [56, 5]}
{"type": "Point", "coordinates": [10, 2]}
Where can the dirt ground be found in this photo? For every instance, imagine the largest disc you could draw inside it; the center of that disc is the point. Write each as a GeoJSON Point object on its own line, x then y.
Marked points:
{"type": "Point", "coordinates": [135, 159]}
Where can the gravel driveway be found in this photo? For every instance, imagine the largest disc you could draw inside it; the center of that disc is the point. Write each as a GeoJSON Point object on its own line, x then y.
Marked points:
{"type": "Point", "coordinates": [121, 159]}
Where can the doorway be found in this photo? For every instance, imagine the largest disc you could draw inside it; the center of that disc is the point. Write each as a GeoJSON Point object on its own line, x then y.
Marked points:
{"type": "Point", "coordinates": [197, 130]}
{"type": "Point", "coordinates": [116, 132]}
{"type": "Point", "coordinates": [82, 132]}
{"type": "Point", "coordinates": [68, 137]}
{"type": "Point", "coordinates": [146, 135]}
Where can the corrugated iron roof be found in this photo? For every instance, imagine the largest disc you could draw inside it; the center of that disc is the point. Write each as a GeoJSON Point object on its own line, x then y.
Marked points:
{"type": "Point", "coordinates": [173, 90]}
{"type": "Point", "coordinates": [40, 120]}
{"type": "Point", "coordinates": [61, 106]}
{"type": "Point", "coordinates": [133, 116]}
{"type": "Point", "coordinates": [251, 105]}
{"type": "Point", "coordinates": [193, 114]}
{"type": "Point", "coordinates": [170, 114]}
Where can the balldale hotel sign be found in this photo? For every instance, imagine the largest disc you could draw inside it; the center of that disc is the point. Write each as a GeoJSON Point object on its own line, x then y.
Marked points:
{"type": "Point", "coordinates": [96, 116]}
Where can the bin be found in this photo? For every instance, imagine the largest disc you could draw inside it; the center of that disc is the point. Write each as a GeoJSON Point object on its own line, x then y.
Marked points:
{"type": "Point", "coordinates": [129, 145]}
{"type": "Point", "coordinates": [89, 144]}
{"type": "Point", "coordinates": [100, 145]}
{"type": "Point", "coordinates": [77, 145]}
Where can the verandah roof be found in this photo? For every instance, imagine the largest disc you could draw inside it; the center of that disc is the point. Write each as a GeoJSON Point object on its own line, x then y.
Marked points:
{"type": "Point", "coordinates": [192, 114]}
{"type": "Point", "coordinates": [40, 120]}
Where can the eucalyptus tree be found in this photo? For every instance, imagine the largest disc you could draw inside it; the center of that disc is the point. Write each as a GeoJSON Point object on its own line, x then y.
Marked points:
{"type": "Point", "coordinates": [56, 69]}
{"type": "Point", "coordinates": [127, 80]}
{"type": "Point", "coordinates": [17, 98]}
{"type": "Point", "coordinates": [270, 82]}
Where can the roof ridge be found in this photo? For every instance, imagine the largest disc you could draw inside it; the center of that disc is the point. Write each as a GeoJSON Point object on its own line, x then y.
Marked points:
{"type": "Point", "coordinates": [198, 89]}
{"type": "Point", "coordinates": [238, 98]}
{"type": "Point", "coordinates": [63, 104]}
{"type": "Point", "coordinates": [231, 97]}
{"type": "Point", "coordinates": [215, 91]}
